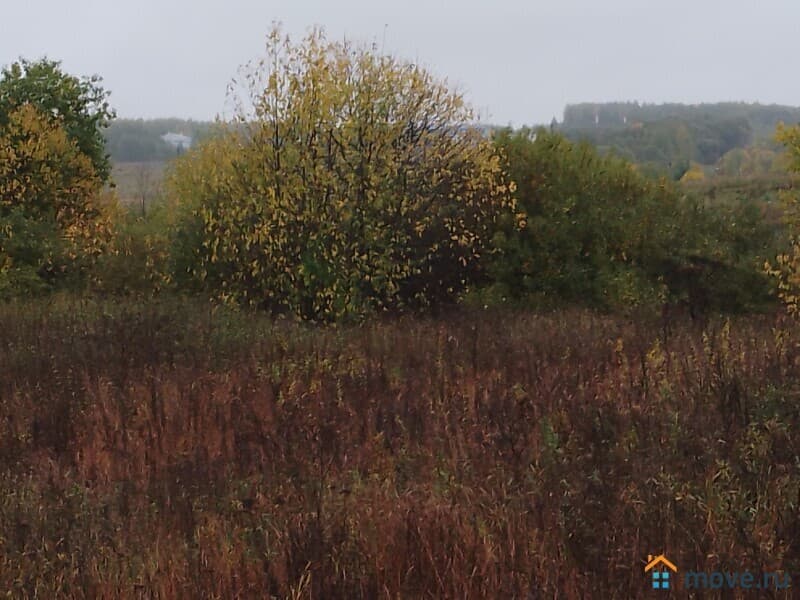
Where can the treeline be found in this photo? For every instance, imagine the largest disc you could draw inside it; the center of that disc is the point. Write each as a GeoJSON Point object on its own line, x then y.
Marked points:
{"type": "Point", "coordinates": [667, 139]}
{"type": "Point", "coordinates": [140, 140]}
{"type": "Point", "coordinates": [762, 118]}
{"type": "Point", "coordinates": [726, 139]}
{"type": "Point", "coordinates": [356, 187]}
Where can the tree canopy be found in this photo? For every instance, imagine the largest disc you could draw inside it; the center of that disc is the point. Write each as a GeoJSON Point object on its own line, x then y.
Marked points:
{"type": "Point", "coordinates": [597, 232]}
{"type": "Point", "coordinates": [352, 181]}
{"type": "Point", "coordinates": [51, 220]}
{"type": "Point", "coordinates": [78, 104]}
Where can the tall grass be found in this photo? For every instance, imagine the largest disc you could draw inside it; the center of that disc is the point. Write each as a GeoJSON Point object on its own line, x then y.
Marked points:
{"type": "Point", "coordinates": [176, 450]}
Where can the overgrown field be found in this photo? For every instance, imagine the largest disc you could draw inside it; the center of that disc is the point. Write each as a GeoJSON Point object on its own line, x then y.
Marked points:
{"type": "Point", "coordinates": [137, 181]}
{"type": "Point", "coordinates": [168, 450]}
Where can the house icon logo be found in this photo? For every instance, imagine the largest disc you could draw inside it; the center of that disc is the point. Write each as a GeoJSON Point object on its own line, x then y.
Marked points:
{"type": "Point", "coordinates": [659, 567]}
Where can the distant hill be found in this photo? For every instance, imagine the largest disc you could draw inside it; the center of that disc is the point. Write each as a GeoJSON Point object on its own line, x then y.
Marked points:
{"type": "Point", "coordinates": [669, 138]}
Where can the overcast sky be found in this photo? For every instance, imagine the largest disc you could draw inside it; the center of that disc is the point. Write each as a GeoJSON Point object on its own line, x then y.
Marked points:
{"type": "Point", "coordinates": [518, 61]}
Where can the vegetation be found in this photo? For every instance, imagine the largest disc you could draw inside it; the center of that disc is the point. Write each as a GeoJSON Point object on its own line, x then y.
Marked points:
{"type": "Point", "coordinates": [787, 264]}
{"type": "Point", "coordinates": [79, 105]}
{"type": "Point", "coordinates": [356, 347]}
{"type": "Point", "coordinates": [730, 138]}
{"type": "Point", "coordinates": [600, 234]}
{"type": "Point", "coordinates": [169, 450]}
{"type": "Point", "coordinates": [52, 222]}
{"type": "Point", "coordinates": [762, 119]}
{"type": "Point", "coordinates": [356, 185]}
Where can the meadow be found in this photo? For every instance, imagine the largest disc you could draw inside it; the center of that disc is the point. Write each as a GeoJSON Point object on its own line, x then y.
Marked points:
{"type": "Point", "coordinates": [138, 181]}
{"type": "Point", "coordinates": [173, 449]}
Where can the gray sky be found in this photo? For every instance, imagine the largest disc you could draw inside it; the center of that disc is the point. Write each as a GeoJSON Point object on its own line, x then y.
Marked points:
{"type": "Point", "coordinates": [518, 61]}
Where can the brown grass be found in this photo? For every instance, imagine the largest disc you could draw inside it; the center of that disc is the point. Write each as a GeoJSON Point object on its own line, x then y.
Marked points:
{"type": "Point", "coordinates": [169, 451]}
{"type": "Point", "coordinates": [135, 181]}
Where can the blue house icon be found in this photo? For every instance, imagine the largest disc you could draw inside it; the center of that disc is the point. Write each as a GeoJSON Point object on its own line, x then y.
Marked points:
{"type": "Point", "coordinates": [659, 568]}
{"type": "Point", "coordinates": [660, 580]}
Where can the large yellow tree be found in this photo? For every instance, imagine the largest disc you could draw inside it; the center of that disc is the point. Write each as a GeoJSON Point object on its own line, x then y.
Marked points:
{"type": "Point", "coordinates": [350, 181]}
{"type": "Point", "coordinates": [51, 221]}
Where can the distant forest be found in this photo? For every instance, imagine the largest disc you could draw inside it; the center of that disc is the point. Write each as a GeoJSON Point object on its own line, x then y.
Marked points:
{"type": "Point", "coordinates": [679, 141]}
{"type": "Point", "coordinates": [731, 139]}
{"type": "Point", "coordinates": [139, 140]}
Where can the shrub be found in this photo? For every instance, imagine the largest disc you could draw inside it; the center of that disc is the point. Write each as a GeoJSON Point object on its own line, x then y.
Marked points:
{"type": "Point", "coordinates": [137, 259]}
{"type": "Point", "coordinates": [599, 233]}
{"type": "Point", "coordinates": [592, 223]}
{"type": "Point", "coordinates": [353, 182]}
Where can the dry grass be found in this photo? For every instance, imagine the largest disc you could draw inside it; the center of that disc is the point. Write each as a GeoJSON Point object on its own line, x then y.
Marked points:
{"type": "Point", "coordinates": [167, 451]}
{"type": "Point", "coordinates": [135, 181]}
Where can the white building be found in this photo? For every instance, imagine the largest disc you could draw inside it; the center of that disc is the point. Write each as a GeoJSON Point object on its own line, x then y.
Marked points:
{"type": "Point", "coordinates": [177, 140]}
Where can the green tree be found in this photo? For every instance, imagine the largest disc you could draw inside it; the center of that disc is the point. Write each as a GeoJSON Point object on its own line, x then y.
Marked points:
{"type": "Point", "coordinates": [352, 181]}
{"type": "Point", "coordinates": [598, 232]}
{"type": "Point", "coordinates": [591, 224]}
{"type": "Point", "coordinates": [79, 104]}
{"type": "Point", "coordinates": [52, 223]}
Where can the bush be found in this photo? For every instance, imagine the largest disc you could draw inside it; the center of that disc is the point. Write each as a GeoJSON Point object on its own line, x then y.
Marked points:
{"type": "Point", "coordinates": [354, 183]}
{"type": "Point", "coordinates": [592, 224]}
{"type": "Point", "coordinates": [137, 259]}
{"type": "Point", "coordinates": [599, 233]}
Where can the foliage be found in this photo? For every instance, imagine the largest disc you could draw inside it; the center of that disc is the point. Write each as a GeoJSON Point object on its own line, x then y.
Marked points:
{"type": "Point", "coordinates": [52, 220]}
{"type": "Point", "coordinates": [667, 147]}
{"type": "Point", "coordinates": [786, 269]}
{"type": "Point", "coordinates": [600, 234]}
{"type": "Point", "coordinates": [663, 139]}
{"type": "Point", "coordinates": [353, 182]}
{"type": "Point", "coordinates": [592, 223]}
{"type": "Point", "coordinates": [694, 174]}
{"type": "Point", "coordinates": [77, 104]}
{"type": "Point", "coordinates": [751, 162]}
{"type": "Point", "coordinates": [136, 261]}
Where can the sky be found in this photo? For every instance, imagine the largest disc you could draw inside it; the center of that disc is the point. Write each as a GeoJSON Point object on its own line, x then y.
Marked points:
{"type": "Point", "coordinates": [517, 61]}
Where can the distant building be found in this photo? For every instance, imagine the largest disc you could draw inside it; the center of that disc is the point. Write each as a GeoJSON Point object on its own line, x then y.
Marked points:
{"type": "Point", "coordinates": [178, 141]}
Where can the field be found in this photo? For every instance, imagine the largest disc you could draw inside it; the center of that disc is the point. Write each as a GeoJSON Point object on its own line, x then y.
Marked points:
{"type": "Point", "coordinates": [136, 181]}
{"type": "Point", "coordinates": [169, 449]}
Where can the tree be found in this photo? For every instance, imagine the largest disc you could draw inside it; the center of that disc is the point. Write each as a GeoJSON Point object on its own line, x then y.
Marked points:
{"type": "Point", "coordinates": [351, 181]}
{"type": "Point", "coordinates": [786, 269]}
{"type": "Point", "coordinates": [79, 105]}
{"type": "Point", "coordinates": [51, 221]}
{"type": "Point", "coordinates": [598, 232]}
{"type": "Point", "coordinates": [591, 225]}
